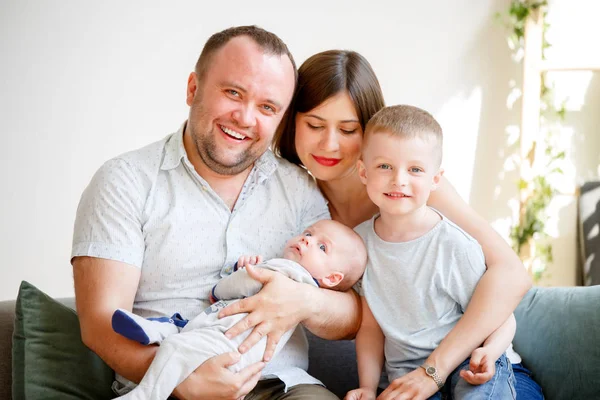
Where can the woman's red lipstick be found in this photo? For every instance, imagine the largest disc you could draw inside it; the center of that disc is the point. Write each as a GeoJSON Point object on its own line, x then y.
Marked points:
{"type": "Point", "coordinates": [328, 162]}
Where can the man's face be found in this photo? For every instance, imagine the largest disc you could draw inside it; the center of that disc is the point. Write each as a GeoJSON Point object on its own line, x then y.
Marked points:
{"type": "Point", "coordinates": [237, 105]}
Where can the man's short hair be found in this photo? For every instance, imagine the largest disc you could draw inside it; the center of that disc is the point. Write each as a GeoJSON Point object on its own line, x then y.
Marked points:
{"type": "Point", "coordinates": [406, 122]}
{"type": "Point", "coordinates": [269, 42]}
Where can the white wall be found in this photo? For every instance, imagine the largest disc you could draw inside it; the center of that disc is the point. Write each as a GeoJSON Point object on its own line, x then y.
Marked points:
{"type": "Point", "coordinates": [85, 81]}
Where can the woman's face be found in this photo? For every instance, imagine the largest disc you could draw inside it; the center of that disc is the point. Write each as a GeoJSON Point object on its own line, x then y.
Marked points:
{"type": "Point", "coordinates": [329, 138]}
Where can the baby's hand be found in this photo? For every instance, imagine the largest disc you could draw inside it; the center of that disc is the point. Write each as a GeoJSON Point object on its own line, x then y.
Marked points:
{"type": "Point", "coordinates": [245, 260]}
{"type": "Point", "coordinates": [481, 368]}
{"type": "Point", "coordinates": [360, 394]}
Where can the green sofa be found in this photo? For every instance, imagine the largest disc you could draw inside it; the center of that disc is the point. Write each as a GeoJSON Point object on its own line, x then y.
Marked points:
{"type": "Point", "coordinates": [557, 335]}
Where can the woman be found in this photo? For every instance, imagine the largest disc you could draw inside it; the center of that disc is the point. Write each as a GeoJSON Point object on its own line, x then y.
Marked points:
{"type": "Point", "coordinates": [337, 94]}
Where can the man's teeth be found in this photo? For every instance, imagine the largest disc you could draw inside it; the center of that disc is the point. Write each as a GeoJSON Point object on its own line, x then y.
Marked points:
{"type": "Point", "coordinates": [233, 133]}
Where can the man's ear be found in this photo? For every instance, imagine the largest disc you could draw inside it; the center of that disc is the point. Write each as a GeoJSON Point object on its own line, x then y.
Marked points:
{"type": "Point", "coordinates": [192, 86]}
{"type": "Point", "coordinates": [362, 171]}
{"type": "Point", "coordinates": [333, 279]}
{"type": "Point", "coordinates": [436, 179]}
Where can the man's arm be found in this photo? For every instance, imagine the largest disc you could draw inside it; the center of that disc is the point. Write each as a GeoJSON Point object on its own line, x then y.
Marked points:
{"type": "Point", "coordinates": [283, 303]}
{"type": "Point", "coordinates": [102, 286]}
{"type": "Point", "coordinates": [498, 292]}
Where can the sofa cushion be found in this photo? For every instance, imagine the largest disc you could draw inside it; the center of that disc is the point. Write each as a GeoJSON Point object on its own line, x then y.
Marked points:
{"type": "Point", "coordinates": [558, 332]}
{"type": "Point", "coordinates": [49, 359]}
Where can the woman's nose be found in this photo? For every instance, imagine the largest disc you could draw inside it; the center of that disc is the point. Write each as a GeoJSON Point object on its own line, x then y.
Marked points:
{"type": "Point", "coordinates": [329, 140]}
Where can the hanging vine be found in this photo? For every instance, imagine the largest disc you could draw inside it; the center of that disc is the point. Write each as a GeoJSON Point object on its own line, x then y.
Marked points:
{"type": "Point", "coordinates": [528, 235]}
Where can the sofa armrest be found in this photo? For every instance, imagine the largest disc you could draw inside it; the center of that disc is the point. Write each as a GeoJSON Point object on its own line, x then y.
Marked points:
{"type": "Point", "coordinates": [558, 336]}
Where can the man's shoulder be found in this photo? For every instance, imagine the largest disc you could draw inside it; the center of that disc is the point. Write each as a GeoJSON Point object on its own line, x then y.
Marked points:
{"type": "Point", "coordinates": [143, 162]}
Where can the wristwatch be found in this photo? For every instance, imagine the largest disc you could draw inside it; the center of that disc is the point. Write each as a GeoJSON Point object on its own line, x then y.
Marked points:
{"type": "Point", "coordinates": [432, 372]}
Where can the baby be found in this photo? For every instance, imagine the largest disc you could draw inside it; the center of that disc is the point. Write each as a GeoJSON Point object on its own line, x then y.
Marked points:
{"type": "Point", "coordinates": [327, 254]}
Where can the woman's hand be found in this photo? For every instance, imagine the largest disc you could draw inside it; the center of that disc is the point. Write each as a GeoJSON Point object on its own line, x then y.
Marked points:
{"type": "Point", "coordinates": [279, 306]}
{"type": "Point", "coordinates": [415, 385]}
{"type": "Point", "coordinates": [213, 380]}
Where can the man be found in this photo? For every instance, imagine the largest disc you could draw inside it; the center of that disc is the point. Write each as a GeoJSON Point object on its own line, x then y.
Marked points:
{"type": "Point", "coordinates": [157, 227]}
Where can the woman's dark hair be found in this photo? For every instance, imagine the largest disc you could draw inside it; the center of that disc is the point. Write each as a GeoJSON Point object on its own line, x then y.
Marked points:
{"type": "Point", "coordinates": [320, 77]}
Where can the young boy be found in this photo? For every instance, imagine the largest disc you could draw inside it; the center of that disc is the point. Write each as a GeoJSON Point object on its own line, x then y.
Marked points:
{"type": "Point", "coordinates": [421, 270]}
{"type": "Point", "coordinates": [327, 254]}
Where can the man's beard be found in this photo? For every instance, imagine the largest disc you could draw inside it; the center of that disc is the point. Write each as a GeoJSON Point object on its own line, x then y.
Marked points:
{"type": "Point", "coordinates": [209, 154]}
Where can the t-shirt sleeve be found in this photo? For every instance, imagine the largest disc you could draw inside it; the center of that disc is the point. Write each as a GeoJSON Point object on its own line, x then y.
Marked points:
{"type": "Point", "coordinates": [109, 216]}
{"type": "Point", "coordinates": [468, 268]}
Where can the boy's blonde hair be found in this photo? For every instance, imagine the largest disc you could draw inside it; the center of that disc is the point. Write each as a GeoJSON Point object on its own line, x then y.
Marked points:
{"type": "Point", "coordinates": [407, 122]}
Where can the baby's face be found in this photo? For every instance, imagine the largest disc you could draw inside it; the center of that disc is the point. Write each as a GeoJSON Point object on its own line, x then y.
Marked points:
{"type": "Point", "coordinates": [400, 173]}
{"type": "Point", "coordinates": [322, 248]}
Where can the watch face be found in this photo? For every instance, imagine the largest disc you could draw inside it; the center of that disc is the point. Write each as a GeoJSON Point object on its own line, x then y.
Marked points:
{"type": "Point", "coordinates": [430, 370]}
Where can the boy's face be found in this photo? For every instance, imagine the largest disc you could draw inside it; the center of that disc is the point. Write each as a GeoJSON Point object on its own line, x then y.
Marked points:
{"type": "Point", "coordinates": [400, 173]}
{"type": "Point", "coordinates": [321, 249]}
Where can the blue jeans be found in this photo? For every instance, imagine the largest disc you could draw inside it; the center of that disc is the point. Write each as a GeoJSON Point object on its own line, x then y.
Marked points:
{"type": "Point", "coordinates": [501, 386]}
{"type": "Point", "coordinates": [527, 388]}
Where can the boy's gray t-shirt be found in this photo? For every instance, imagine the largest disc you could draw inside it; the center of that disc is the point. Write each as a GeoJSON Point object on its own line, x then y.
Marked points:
{"type": "Point", "coordinates": [418, 290]}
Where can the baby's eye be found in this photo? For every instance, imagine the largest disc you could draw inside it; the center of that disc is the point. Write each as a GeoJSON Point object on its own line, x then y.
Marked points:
{"type": "Point", "coordinates": [307, 234]}
{"type": "Point", "coordinates": [322, 247]}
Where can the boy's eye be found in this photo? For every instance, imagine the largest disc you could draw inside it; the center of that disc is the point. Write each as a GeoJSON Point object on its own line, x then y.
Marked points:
{"type": "Point", "coordinates": [322, 247]}
{"type": "Point", "coordinates": [415, 169]}
{"type": "Point", "coordinates": [385, 166]}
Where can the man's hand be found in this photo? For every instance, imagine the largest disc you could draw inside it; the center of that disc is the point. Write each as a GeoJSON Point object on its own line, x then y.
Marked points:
{"type": "Point", "coordinates": [213, 380]}
{"type": "Point", "coordinates": [244, 261]}
{"type": "Point", "coordinates": [361, 394]}
{"type": "Point", "coordinates": [279, 306]}
{"type": "Point", "coordinates": [481, 367]}
{"type": "Point", "coordinates": [415, 385]}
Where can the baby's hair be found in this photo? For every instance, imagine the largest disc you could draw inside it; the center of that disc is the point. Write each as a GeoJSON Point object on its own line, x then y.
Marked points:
{"type": "Point", "coordinates": [407, 122]}
{"type": "Point", "coordinates": [354, 270]}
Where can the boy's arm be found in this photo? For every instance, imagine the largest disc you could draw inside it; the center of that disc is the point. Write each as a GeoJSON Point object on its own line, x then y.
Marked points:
{"type": "Point", "coordinates": [482, 365]}
{"type": "Point", "coordinates": [497, 343]}
{"type": "Point", "coordinates": [369, 349]}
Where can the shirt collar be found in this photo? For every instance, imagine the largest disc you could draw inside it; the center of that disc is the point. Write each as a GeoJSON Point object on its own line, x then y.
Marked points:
{"type": "Point", "coordinates": [175, 151]}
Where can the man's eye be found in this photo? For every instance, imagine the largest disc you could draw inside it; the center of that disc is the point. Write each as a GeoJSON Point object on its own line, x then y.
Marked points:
{"type": "Point", "coordinates": [323, 247]}
{"type": "Point", "coordinates": [269, 108]}
{"type": "Point", "coordinates": [233, 92]}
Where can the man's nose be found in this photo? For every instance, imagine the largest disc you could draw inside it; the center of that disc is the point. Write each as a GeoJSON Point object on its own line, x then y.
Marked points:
{"type": "Point", "coordinates": [245, 116]}
{"type": "Point", "coordinates": [329, 140]}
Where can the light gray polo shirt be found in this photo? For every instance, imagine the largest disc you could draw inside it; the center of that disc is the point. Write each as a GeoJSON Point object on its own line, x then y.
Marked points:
{"type": "Point", "coordinates": [150, 208]}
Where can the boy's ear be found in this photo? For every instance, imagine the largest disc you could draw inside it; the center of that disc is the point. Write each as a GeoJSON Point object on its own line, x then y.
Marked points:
{"type": "Point", "coordinates": [333, 279]}
{"type": "Point", "coordinates": [436, 179]}
{"type": "Point", "coordinates": [362, 171]}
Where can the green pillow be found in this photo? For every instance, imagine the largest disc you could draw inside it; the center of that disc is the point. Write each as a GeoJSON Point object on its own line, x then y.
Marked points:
{"type": "Point", "coordinates": [558, 332]}
{"type": "Point", "coordinates": [49, 360]}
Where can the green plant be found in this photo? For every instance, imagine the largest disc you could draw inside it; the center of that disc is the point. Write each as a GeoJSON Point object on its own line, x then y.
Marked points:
{"type": "Point", "coordinates": [528, 235]}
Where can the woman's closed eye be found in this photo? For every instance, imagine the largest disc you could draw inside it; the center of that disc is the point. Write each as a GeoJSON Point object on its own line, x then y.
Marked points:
{"type": "Point", "coordinates": [314, 127]}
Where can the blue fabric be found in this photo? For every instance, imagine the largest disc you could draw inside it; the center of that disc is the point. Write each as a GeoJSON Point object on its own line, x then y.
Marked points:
{"type": "Point", "coordinates": [527, 388]}
{"type": "Point", "coordinates": [501, 386]}
{"type": "Point", "coordinates": [558, 332]}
